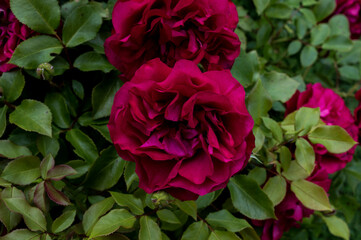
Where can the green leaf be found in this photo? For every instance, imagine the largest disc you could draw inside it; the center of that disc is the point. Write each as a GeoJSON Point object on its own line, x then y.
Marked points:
{"type": "Point", "coordinates": [81, 25]}
{"type": "Point", "coordinates": [334, 138]}
{"type": "Point", "coordinates": [8, 218]}
{"type": "Point", "coordinates": [223, 235]}
{"type": "Point", "coordinates": [319, 34]}
{"type": "Point", "coordinates": [226, 220]}
{"type": "Point", "coordinates": [106, 170]}
{"type": "Point", "coordinates": [130, 175]}
{"type": "Point", "coordinates": [22, 171]}
{"type": "Point", "coordinates": [149, 229]}
{"type": "Point", "coordinates": [249, 199]}
{"type": "Point", "coordinates": [350, 72]}
{"type": "Point", "coordinates": [12, 84]}
{"type": "Point", "coordinates": [261, 5]}
{"type": "Point", "coordinates": [59, 109]}
{"type": "Point", "coordinates": [60, 171]}
{"type": "Point", "coordinates": [301, 27]}
{"type": "Point", "coordinates": [339, 25]}
{"type": "Point", "coordinates": [308, 56]}
{"type": "Point", "coordinates": [40, 200]}
{"type": "Point", "coordinates": [103, 130]}
{"type": "Point", "coordinates": [246, 68]}
{"type": "Point", "coordinates": [103, 96]}
{"type": "Point", "coordinates": [168, 216]}
{"type": "Point", "coordinates": [188, 207]}
{"type": "Point", "coordinates": [46, 164]}
{"type": "Point", "coordinates": [21, 234]}
{"type": "Point", "coordinates": [197, 230]}
{"type": "Point", "coordinates": [311, 195]}
{"type": "Point", "coordinates": [309, 16]}
{"type": "Point", "coordinates": [60, 65]}
{"type": "Point", "coordinates": [36, 50]}
{"type": "Point", "coordinates": [111, 222]}
{"type": "Point", "coordinates": [275, 129]}
{"type": "Point", "coordinates": [274, 81]}
{"type": "Point", "coordinates": [128, 200]}
{"type": "Point", "coordinates": [279, 11]}
{"type": "Point", "coordinates": [78, 89]}
{"type": "Point", "coordinates": [16, 202]}
{"type": "Point", "coordinates": [337, 227]}
{"type": "Point", "coordinates": [83, 144]}
{"type": "Point", "coordinates": [249, 234]}
{"type": "Point", "coordinates": [306, 118]}
{"type": "Point", "coordinates": [33, 116]}
{"type": "Point", "coordinates": [285, 157]}
{"type": "Point", "coordinates": [47, 145]}
{"type": "Point", "coordinates": [63, 221]}
{"type": "Point", "coordinates": [305, 155]}
{"type": "Point", "coordinates": [92, 61]}
{"type": "Point", "coordinates": [40, 15]}
{"type": "Point", "coordinates": [55, 195]}
{"type": "Point", "coordinates": [258, 174]}
{"type": "Point", "coordinates": [324, 8]}
{"type": "Point", "coordinates": [9, 149]}
{"type": "Point", "coordinates": [97, 210]}
{"type": "Point", "coordinates": [338, 43]}
{"type": "Point", "coordinates": [3, 111]}
{"type": "Point", "coordinates": [258, 102]}
{"type": "Point", "coordinates": [294, 47]}
{"type": "Point", "coordinates": [276, 188]}
{"type": "Point", "coordinates": [295, 172]}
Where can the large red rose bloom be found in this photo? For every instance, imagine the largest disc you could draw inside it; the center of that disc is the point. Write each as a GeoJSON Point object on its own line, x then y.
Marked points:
{"type": "Point", "coordinates": [333, 112]}
{"type": "Point", "coordinates": [188, 132]}
{"type": "Point", "coordinates": [12, 32]}
{"type": "Point", "coordinates": [197, 30]}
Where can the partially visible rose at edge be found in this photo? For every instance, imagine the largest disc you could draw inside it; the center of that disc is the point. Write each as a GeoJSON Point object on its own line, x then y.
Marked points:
{"type": "Point", "coordinates": [188, 132]}
{"type": "Point", "coordinates": [333, 111]}
{"type": "Point", "coordinates": [12, 32]}
{"type": "Point", "coordinates": [357, 114]}
{"type": "Point", "coordinates": [198, 30]}
{"type": "Point", "coordinates": [352, 10]}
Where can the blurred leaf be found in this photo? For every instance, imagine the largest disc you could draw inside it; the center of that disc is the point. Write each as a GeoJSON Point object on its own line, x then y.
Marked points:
{"type": "Point", "coordinates": [40, 15]}
{"type": "Point", "coordinates": [16, 202]}
{"type": "Point", "coordinates": [308, 56]}
{"type": "Point", "coordinates": [149, 229]}
{"type": "Point", "coordinates": [55, 195]}
{"type": "Point", "coordinates": [309, 16]}
{"type": "Point", "coordinates": [112, 221]}
{"type": "Point", "coordinates": [337, 227]}
{"type": "Point", "coordinates": [189, 207]}
{"type": "Point", "coordinates": [95, 211]}
{"type": "Point", "coordinates": [59, 109]}
{"type": "Point", "coordinates": [258, 102]}
{"type": "Point", "coordinates": [334, 138]}
{"type": "Point", "coordinates": [36, 50]}
{"type": "Point", "coordinates": [249, 199]}
{"type": "Point", "coordinates": [246, 68]}
{"type": "Point", "coordinates": [350, 72]}
{"type": "Point", "coordinates": [22, 171]}
{"type": "Point", "coordinates": [81, 25]}
{"type": "Point", "coordinates": [294, 47]}
{"type": "Point", "coordinates": [3, 111]}
{"type": "Point", "coordinates": [92, 61]}
{"type": "Point", "coordinates": [276, 188]}
{"type": "Point", "coordinates": [295, 172]}
{"type": "Point", "coordinates": [338, 43]}
{"type": "Point", "coordinates": [103, 96]}
{"type": "Point", "coordinates": [261, 5]}
{"type": "Point", "coordinates": [21, 234]}
{"type": "Point", "coordinates": [339, 25]}
{"type": "Point", "coordinates": [223, 235]}
{"type": "Point", "coordinates": [83, 144]}
{"type": "Point", "coordinates": [197, 230]}
{"type": "Point", "coordinates": [106, 170]}
{"type": "Point", "coordinates": [279, 11]}
{"type": "Point", "coordinates": [311, 195]}
{"type": "Point", "coordinates": [301, 27]}
{"type": "Point", "coordinates": [249, 234]}
{"type": "Point", "coordinates": [168, 216]}
{"type": "Point", "coordinates": [12, 84]}
{"type": "Point", "coordinates": [319, 34]}
{"type": "Point", "coordinates": [9, 149]}
{"type": "Point", "coordinates": [324, 8]}
{"type": "Point", "coordinates": [33, 116]}
{"type": "Point", "coordinates": [226, 220]}
{"type": "Point", "coordinates": [63, 221]}
{"type": "Point", "coordinates": [128, 200]}
{"type": "Point", "coordinates": [60, 65]}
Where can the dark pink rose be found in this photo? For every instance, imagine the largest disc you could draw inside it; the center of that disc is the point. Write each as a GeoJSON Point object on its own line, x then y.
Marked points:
{"type": "Point", "coordinates": [291, 211]}
{"type": "Point", "coordinates": [351, 9]}
{"type": "Point", "coordinates": [12, 32]}
{"type": "Point", "coordinates": [188, 132]}
{"type": "Point", "coordinates": [333, 112]}
{"type": "Point", "coordinates": [197, 30]}
{"type": "Point", "coordinates": [357, 113]}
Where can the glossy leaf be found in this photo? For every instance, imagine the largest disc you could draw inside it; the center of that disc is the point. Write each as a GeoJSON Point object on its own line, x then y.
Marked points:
{"type": "Point", "coordinates": [226, 220]}
{"type": "Point", "coordinates": [12, 84]}
{"type": "Point", "coordinates": [63, 221]}
{"type": "Point", "coordinates": [149, 229]}
{"type": "Point", "coordinates": [83, 144]}
{"type": "Point", "coordinates": [128, 200]}
{"type": "Point", "coordinates": [197, 230]}
{"type": "Point", "coordinates": [10, 150]}
{"type": "Point", "coordinates": [92, 61]}
{"type": "Point", "coordinates": [22, 171]}
{"type": "Point", "coordinates": [275, 188]}
{"type": "Point", "coordinates": [189, 207]}
{"type": "Point", "coordinates": [23, 234]}
{"type": "Point", "coordinates": [55, 195]}
{"type": "Point", "coordinates": [337, 227]}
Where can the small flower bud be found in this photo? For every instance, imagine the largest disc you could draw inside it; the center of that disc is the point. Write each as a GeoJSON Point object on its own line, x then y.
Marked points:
{"type": "Point", "coordinates": [161, 199]}
{"type": "Point", "coordinates": [45, 71]}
